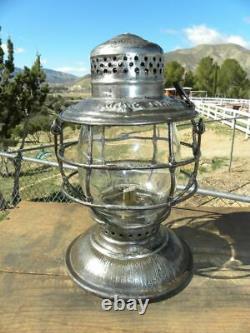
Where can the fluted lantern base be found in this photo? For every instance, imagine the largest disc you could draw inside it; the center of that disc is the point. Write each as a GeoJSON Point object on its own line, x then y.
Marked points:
{"type": "Point", "coordinates": [155, 267]}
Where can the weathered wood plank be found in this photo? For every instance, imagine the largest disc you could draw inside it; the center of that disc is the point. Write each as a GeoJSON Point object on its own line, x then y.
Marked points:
{"type": "Point", "coordinates": [37, 296]}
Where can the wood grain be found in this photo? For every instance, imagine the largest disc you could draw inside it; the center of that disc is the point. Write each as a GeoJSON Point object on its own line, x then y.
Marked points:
{"type": "Point", "coordinates": [37, 295]}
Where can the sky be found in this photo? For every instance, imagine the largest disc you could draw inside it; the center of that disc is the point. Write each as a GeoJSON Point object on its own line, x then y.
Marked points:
{"type": "Point", "coordinates": [65, 31]}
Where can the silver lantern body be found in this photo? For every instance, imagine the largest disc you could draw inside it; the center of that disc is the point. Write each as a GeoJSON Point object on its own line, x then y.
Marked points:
{"type": "Point", "coordinates": [125, 165]}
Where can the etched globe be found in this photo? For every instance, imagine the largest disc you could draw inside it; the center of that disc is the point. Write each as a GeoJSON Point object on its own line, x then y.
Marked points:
{"type": "Point", "coordinates": [126, 148]}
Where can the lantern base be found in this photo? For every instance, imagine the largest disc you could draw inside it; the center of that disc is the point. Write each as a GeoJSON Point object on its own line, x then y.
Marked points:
{"type": "Point", "coordinates": [154, 268]}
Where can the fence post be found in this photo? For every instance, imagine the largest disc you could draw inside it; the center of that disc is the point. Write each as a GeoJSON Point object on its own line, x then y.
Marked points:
{"type": "Point", "coordinates": [232, 145]}
{"type": "Point", "coordinates": [15, 196]}
{"type": "Point", "coordinates": [248, 127]}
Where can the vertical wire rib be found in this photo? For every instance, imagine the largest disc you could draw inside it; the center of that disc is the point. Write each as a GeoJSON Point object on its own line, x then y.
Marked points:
{"type": "Point", "coordinates": [103, 145]}
{"type": "Point", "coordinates": [103, 142]}
{"type": "Point", "coordinates": [155, 149]}
{"type": "Point", "coordinates": [154, 145]}
{"type": "Point", "coordinates": [61, 152]}
{"type": "Point", "coordinates": [90, 160]}
{"type": "Point", "coordinates": [171, 160]}
{"type": "Point", "coordinates": [197, 132]}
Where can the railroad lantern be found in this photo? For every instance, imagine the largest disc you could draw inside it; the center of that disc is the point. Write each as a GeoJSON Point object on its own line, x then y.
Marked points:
{"type": "Point", "coordinates": [124, 167]}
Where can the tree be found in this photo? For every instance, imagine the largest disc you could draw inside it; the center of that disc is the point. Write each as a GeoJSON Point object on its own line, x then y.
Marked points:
{"type": "Point", "coordinates": [9, 116]}
{"type": "Point", "coordinates": [41, 122]}
{"type": "Point", "coordinates": [205, 75]}
{"type": "Point", "coordinates": [32, 89]}
{"type": "Point", "coordinates": [232, 80]}
{"type": "Point", "coordinates": [173, 72]}
{"type": "Point", "coordinates": [21, 98]}
{"type": "Point", "coordinates": [9, 63]}
{"type": "Point", "coordinates": [189, 79]}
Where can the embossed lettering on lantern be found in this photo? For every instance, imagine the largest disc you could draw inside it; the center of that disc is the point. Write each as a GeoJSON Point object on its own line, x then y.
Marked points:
{"type": "Point", "coordinates": [124, 148]}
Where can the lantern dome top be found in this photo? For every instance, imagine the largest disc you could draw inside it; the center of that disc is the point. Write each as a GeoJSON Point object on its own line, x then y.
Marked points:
{"type": "Point", "coordinates": [127, 66]}
{"type": "Point", "coordinates": [127, 85]}
{"type": "Point", "coordinates": [126, 43]}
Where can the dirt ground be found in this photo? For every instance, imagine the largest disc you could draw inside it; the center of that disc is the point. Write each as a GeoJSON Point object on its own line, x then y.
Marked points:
{"type": "Point", "coordinates": [214, 165]}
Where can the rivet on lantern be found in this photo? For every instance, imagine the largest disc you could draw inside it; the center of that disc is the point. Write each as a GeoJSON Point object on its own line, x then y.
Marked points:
{"type": "Point", "coordinates": [125, 165]}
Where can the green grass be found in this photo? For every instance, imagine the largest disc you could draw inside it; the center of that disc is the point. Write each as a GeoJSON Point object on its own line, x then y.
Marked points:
{"type": "Point", "coordinates": [219, 128]}
{"type": "Point", "coordinates": [218, 163]}
{"type": "Point", "coordinates": [34, 183]}
{"type": "Point", "coordinates": [3, 215]}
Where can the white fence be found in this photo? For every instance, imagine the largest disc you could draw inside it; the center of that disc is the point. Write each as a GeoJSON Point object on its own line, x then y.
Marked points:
{"type": "Point", "coordinates": [223, 101]}
{"type": "Point", "coordinates": [215, 108]}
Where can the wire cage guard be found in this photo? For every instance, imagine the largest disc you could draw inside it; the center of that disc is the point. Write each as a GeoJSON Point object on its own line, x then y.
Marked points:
{"type": "Point", "coordinates": [72, 192]}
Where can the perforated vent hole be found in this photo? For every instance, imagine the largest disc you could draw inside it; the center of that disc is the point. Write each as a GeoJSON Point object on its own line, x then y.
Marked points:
{"type": "Point", "coordinates": [150, 65]}
{"type": "Point", "coordinates": [105, 59]}
{"type": "Point", "coordinates": [125, 70]}
{"type": "Point", "coordinates": [109, 64]}
{"type": "Point", "coordinates": [125, 58]}
{"type": "Point", "coordinates": [114, 58]}
{"type": "Point", "coordinates": [114, 70]}
{"type": "Point", "coordinates": [120, 64]}
{"type": "Point", "coordinates": [136, 58]}
{"type": "Point", "coordinates": [105, 71]}
{"type": "Point", "coordinates": [131, 64]}
{"type": "Point", "coordinates": [146, 71]}
{"type": "Point", "coordinates": [142, 64]}
{"type": "Point", "coordinates": [137, 70]}
{"type": "Point", "coordinates": [146, 58]}
{"type": "Point", "coordinates": [154, 70]}
{"type": "Point", "coordinates": [154, 58]}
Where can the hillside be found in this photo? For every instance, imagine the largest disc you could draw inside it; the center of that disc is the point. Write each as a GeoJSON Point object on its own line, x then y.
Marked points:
{"type": "Point", "coordinates": [55, 77]}
{"type": "Point", "coordinates": [189, 58]}
{"type": "Point", "coordinates": [82, 83]}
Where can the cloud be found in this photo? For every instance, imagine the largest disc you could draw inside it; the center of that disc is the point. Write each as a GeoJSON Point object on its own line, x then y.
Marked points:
{"type": "Point", "coordinates": [16, 50]}
{"type": "Point", "coordinates": [170, 31]}
{"type": "Point", "coordinates": [76, 70]}
{"type": "Point", "coordinates": [19, 50]}
{"type": "Point", "coordinates": [201, 34]}
{"type": "Point", "coordinates": [44, 61]}
{"type": "Point", "coordinates": [246, 19]}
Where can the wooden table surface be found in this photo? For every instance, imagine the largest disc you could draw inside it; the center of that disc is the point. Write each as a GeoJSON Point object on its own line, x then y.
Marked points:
{"type": "Point", "coordinates": [36, 295]}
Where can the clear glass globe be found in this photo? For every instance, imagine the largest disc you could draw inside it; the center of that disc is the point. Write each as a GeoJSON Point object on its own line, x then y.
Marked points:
{"type": "Point", "coordinates": [129, 146]}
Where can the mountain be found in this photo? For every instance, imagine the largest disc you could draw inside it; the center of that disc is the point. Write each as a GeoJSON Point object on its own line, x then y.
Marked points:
{"type": "Point", "coordinates": [189, 58]}
{"type": "Point", "coordinates": [82, 84]}
{"type": "Point", "coordinates": [56, 77]}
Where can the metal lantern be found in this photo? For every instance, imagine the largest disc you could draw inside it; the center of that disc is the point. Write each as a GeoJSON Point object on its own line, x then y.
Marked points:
{"type": "Point", "coordinates": [124, 167]}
